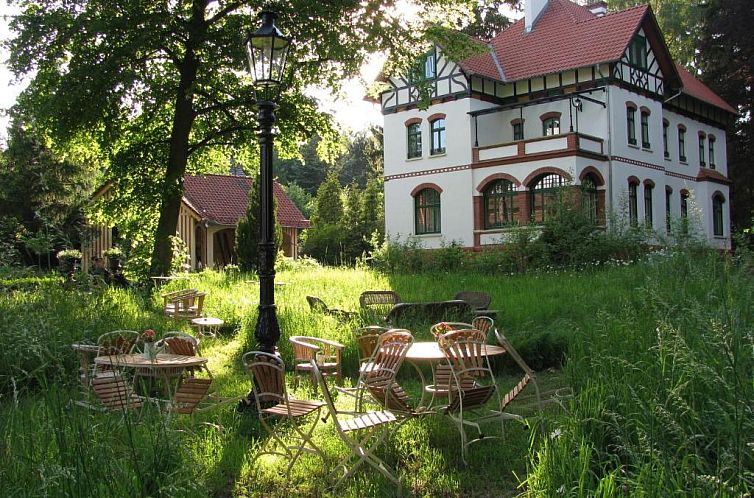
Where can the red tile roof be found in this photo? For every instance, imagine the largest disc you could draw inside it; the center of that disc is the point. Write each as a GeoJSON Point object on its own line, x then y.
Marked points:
{"type": "Point", "coordinates": [699, 90]}
{"type": "Point", "coordinates": [223, 199]}
{"type": "Point", "coordinates": [569, 36]}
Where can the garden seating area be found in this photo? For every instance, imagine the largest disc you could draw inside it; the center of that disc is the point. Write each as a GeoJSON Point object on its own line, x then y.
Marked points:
{"type": "Point", "coordinates": [180, 415]}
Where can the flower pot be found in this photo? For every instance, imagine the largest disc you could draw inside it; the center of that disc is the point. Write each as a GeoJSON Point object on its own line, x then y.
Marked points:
{"type": "Point", "coordinates": [150, 351]}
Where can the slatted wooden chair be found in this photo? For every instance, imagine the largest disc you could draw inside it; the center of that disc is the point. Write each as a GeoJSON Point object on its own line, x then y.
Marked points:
{"type": "Point", "coordinates": [317, 305]}
{"type": "Point", "coordinates": [325, 351]}
{"type": "Point", "coordinates": [468, 406]}
{"type": "Point", "coordinates": [184, 305]}
{"type": "Point", "coordinates": [486, 325]}
{"type": "Point", "coordinates": [115, 393]}
{"type": "Point", "coordinates": [477, 300]}
{"type": "Point", "coordinates": [381, 381]}
{"type": "Point", "coordinates": [361, 433]}
{"type": "Point", "coordinates": [267, 372]}
{"type": "Point", "coordinates": [114, 343]}
{"type": "Point", "coordinates": [442, 376]}
{"type": "Point", "coordinates": [366, 341]}
{"type": "Point", "coordinates": [176, 342]}
{"type": "Point", "coordinates": [539, 398]}
{"type": "Point", "coordinates": [378, 303]}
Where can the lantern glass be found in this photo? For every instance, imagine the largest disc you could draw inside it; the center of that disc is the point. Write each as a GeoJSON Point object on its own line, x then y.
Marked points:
{"type": "Point", "coordinates": [267, 51]}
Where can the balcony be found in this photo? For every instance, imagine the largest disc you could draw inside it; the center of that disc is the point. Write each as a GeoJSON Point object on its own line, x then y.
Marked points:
{"type": "Point", "coordinates": [566, 144]}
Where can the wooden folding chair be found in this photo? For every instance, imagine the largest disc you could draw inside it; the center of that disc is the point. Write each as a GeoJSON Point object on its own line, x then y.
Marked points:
{"type": "Point", "coordinates": [366, 341]}
{"type": "Point", "coordinates": [467, 402]}
{"type": "Point", "coordinates": [327, 353]}
{"type": "Point", "coordinates": [540, 398]}
{"type": "Point", "coordinates": [362, 434]}
{"type": "Point", "coordinates": [115, 393]}
{"type": "Point", "coordinates": [114, 343]}
{"type": "Point", "coordinates": [267, 372]}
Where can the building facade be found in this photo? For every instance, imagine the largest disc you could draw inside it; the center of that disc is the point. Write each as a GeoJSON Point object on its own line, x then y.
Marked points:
{"type": "Point", "coordinates": [568, 96]}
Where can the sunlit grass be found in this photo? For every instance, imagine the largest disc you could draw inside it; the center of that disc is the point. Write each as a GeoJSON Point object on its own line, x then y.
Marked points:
{"type": "Point", "coordinates": [659, 354]}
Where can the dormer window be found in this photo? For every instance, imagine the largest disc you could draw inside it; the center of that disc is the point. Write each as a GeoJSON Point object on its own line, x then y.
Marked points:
{"type": "Point", "coordinates": [637, 52]}
{"type": "Point", "coordinates": [430, 66]}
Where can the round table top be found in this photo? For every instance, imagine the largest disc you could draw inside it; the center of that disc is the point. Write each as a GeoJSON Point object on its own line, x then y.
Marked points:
{"type": "Point", "coordinates": [85, 347]}
{"type": "Point", "coordinates": [162, 361]}
{"type": "Point", "coordinates": [430, 351]}
{"type": "Point", "coordinates": [207, 320]}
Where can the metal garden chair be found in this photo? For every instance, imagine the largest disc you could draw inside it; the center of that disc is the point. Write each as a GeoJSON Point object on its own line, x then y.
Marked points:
{"type": "Point", "coordinates": [267, 372]}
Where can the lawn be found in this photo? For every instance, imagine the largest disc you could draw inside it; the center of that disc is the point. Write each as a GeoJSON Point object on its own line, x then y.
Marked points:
{"type": "Point", "coordinates": [660, 354]}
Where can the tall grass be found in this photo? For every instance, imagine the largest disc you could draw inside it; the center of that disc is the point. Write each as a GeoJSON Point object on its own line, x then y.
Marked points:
{"type": "Point", "coordinates": [666, 398]}
{"type": "Point", "coordinates": [659, 354]}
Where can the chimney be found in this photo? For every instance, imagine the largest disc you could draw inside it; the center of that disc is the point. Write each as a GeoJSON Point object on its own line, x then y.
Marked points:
{"type": "Point", "coordinates": [598, 7]}
{"type": "Point", "coordinates": [532, 11]}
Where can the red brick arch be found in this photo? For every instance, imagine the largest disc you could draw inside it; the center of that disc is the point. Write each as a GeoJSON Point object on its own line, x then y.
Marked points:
{"type": "Point", "coordinates": [422, 186]}
{"type": "Point", "coordinates": [411, 121]}
{"type": "Point", "coordinates": [494, 177]}
{"type": "Point", "coordinates": [649, 183]}
{"type": "Point", "coordinates": [543, 171]}
{"type": "Point", "coordinates": [436, 116]}
{"type": "Point", "coordinates": [632, 180]}
{"type": "Point", "coordinates": [548, 115]}
{"type": "Point", "coordinates": [591, 170]}
{"type": "Point", "coordinates": [718, 194]}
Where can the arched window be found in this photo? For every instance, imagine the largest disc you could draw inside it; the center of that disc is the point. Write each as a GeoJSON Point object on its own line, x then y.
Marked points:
{"type": "Point", "coordinates": [551, 126]}
{"type": "Point", "coordinates": [682, 143]}
{"type": "Point", "coordinates": [702, 147]}
{"type": "Point", "coordinates": [414, 140]}
{"type": "Point", "coordinates": [633, 202]}
{"type": "Point", "coordinates": [711, 141]}
{"type": "Point", "coordinates": [438, 136]}
{"type": "Point", "coordinates": [427, 211]}
{"type": "Point", "coordinates": [500, 204]}
{"type": "Point", "coordinates": [589, 197]}
{"type": "Point", "coordinates": [717, 215]}
{"type": "Point", "coordinates": [645, 128]}
{"type": "Point", "coordinates": [631, 123]}
{"type": "Point", "coordinates": [684, 211]}
{"type": "Point", "coordinates": [543, 195]}
{"type": "Point", "coordinates": [668, 212]}
{"type": "Point", "coordinates": [665, 126]}
{"type": "Point", "coordinates": [648, 191]}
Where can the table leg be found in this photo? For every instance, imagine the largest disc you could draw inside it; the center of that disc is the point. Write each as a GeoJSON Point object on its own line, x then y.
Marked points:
{"type": "Point", "coordinates": [423, 381]}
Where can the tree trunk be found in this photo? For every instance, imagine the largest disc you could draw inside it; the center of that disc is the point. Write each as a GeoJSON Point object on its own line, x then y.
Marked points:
{"type": "Point", "coordinates": [183, 120]}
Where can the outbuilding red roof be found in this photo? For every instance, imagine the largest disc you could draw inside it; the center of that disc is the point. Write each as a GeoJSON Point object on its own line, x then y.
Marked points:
{"type": "Point", "coordinates": [223, 199]}
{"type": "Point", "coordinates": [570, 36]}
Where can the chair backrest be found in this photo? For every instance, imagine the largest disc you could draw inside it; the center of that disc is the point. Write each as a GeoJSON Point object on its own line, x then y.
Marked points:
{"type": "Point", "coordinates": [439, 329]}
{"type": "Point", "coordinates": [117, 342]}
{"type": "Point", "coordinates": [114, 393]}
{"type": "Point", "coordinates": [485, 324]}
{"type": "Point", "coordinates": [379, 301]}
{"type": "Point", "coordinates": [267, 372]}
{"type": "Point", "coordinates": [317, 305]}
{"type": "Point", "coordinates": [180, 343]}
{"type": "Point", "coordinates": [477, 300]}
{"type": "Point", "coordinates": [464, 350]}
{"type": "Point", "coordinates": [304, 348]}
{"type": "Point", "coordinates": [392, 347]}
{"type": "Point", "coordinates": [366, 340]}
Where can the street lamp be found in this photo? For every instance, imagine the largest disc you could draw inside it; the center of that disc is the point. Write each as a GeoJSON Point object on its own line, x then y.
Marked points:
{"type": "Point", "coordinates": [267, 50]}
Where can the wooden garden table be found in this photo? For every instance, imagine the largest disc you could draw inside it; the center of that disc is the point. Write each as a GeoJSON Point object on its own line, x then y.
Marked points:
{"type": "Point", "coordinates": [163, 366]}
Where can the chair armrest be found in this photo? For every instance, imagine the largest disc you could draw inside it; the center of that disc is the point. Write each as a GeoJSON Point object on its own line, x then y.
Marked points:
{"type": "Point", "coordinates": [334, 344]}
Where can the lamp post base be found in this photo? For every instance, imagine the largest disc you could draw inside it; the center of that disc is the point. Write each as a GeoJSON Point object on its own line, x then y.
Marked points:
{"type": "Point", "coordinates": [267, 330]}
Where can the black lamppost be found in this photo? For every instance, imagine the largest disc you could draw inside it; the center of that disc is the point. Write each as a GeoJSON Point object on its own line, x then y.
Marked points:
{"type": "Point", "coordinates": [267, 50]}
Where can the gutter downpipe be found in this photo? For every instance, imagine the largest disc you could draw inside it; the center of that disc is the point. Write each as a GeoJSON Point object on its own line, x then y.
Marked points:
{"type": "Point", "coordinates": [609, 209]}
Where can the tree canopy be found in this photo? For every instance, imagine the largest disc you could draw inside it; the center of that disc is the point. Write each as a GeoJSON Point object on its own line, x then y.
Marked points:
{"type": "Point", "coordinates": [160, 88]}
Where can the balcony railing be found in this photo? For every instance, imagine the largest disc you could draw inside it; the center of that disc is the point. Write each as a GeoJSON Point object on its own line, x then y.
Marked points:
{"type": "Point", "coordinates": [565, 144]}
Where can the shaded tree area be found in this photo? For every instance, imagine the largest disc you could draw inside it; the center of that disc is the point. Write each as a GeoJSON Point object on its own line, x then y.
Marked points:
{"type": "Point", "coordinates": [42, 196]}
{"type": "Point", "coordinates": [727, 66]}
{"type": "Point", "coordinates": [487, 19]}
{"type": "Point", "coordinates": [680, 21]}
{"type": "Point", "coordinates": [347, 222]}
{"type": "Point", "coordinates": [247, 231]}
{"type": "Point", "coordinates": [161, 88]}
